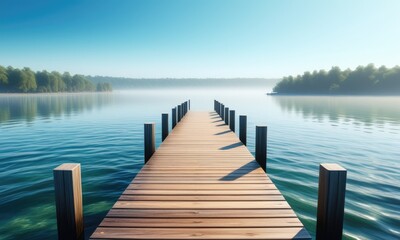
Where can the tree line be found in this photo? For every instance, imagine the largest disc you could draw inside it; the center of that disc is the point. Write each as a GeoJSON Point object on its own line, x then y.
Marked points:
{"type": "Point", "coordinates": [367, 80]}
{"type": "Point", "coordinates": [27, 81]}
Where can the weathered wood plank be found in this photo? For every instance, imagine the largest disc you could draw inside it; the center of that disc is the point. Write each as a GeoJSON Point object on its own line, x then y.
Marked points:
{"type": "Point", "coordinates": [201, 183]}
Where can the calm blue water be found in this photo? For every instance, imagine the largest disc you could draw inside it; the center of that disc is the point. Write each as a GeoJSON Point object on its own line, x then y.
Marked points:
{"type": "Point", "coordinates": [104, 133]}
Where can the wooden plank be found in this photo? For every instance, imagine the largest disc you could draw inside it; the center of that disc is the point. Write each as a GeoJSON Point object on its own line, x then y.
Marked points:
{"type": "Point", "coordinates": [201, 233]}
{"type": "Point", "coordinates": [201, 183]}
{"type": "Point", "coordinates": [203, 222]}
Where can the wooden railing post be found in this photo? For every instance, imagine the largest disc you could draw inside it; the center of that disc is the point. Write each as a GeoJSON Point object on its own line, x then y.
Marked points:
{"type": "Point", "coordinates": [261, 146]}
{"type": "Point", "coordinates": [331, 195]}
{"type": "Point", "coordinates": [149, 141]}
{"type": "Point", "coordinates": [189, 105]}
{"type": "Point", "coordinates": [226, 114]}
{"type": "Point", "coordinates": [179, 113]}
{"type": "Point", "coordinates": [243, 129]}
{"type": "Point", "coordinates": [164, 126]}
{"type": "Point", "coordinates": [222, 111]}
{"type": "Point", "coordinates": [173, 116]}
{"type": "Point", "coordinates": [68, 195]}
{"type": "Point", "coordinates": [232, 120]}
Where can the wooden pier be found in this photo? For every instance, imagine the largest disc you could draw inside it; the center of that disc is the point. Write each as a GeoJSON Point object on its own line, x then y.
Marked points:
{"type": "Point", "coordinates": [201, 183]}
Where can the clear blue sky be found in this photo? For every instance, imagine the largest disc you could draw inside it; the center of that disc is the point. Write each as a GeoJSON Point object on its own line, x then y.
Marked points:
{"type": "Point", "coordinates": [198, 38]}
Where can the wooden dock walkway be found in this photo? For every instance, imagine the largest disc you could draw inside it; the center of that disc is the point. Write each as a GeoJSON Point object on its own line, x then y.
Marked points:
{"type": "Point", "coordinates": [201, 183]}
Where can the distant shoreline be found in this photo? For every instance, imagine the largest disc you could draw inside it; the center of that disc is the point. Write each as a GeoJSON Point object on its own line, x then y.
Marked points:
{"type": "Point", "coordinates": [50, 93]}
{"type": "Point", "coordinates": [332, 95]}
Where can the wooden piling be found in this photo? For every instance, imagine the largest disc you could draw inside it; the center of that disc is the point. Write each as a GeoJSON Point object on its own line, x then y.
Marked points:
{"type": "Point", "coordinates": [232, 120]}
{"type": "Point", "coordinates": [68, 196]}
{"type": "Point", "coordinates": [261, 146]}
{"type": "Point", "coordinates": [149, 141]}
{"type": "Point", "coordinates": [226, 114]}
{"type": "Point", "coordinates": [189, 105]}
{"type": "Point", "coordinates": [179, 113]}
{"type": "Point", "coordinates": [243, 129]}
{"type": "Point", "coordinates": [331, 195]}
{"type": "Point", "coordinates": [164, 125]}
{"type": "Point", "coordinates": [223, 111]}
{"type": "Point", "coordinates": [173, 116]}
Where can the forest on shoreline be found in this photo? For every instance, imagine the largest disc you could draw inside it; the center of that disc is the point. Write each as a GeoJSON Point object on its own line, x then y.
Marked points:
{"type": "Point", "coordinates": [14, 80]}
{"type": "Point", "coordinates": [364, 80]}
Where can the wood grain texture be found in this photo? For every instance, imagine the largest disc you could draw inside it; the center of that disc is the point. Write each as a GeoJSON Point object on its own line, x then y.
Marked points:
{"type": "Point", "coordinates": [201, 183]}
{"type": "Point", "coordinates": [68, 196]}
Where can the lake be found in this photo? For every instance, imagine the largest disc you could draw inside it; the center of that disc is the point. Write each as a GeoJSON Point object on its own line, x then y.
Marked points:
{"type": "Point", "coordinates": [104, 132]}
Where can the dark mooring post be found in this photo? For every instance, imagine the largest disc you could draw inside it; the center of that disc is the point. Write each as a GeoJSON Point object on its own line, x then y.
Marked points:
{"type": "Point", "coordinates": [149, 141]}
{"type": "Point", "coordinates": [222, 111]}
{"type": "Point", "coordinates": [243, 129]}
{"type": "Point", "coordinates": [189, 105]}
{"type": "Point", "coordinates": [226, 114]}
{"type": "Point", "coordinates": [68, 191]}
{"type": "Point", "coordinates": [179, 113]}
{"type": "Point", "coordinates": [232, 120]}
{"type": "Point", "coordinates": [331, 195]}
{"type": "Point", "coordinates": [164, 125]}
{"type": "Point", "coordinates": [261, 146]}
{"type": "Point", "coordinates": [173, 116]}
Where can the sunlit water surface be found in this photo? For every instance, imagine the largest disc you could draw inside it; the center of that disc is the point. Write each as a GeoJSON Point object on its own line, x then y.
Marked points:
{"type": "Point", "coordinates": [104, 132]}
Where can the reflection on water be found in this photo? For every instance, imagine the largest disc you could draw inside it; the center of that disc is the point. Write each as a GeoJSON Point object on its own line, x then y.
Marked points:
{"type": "Point", "coordinates": [366, 110]}
{"type": "Point", "coordinates": [104, 132]}
{"type": "Point", "coordinates": [28, 107]}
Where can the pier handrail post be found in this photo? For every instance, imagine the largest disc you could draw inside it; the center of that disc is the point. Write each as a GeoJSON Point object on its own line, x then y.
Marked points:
{"type": "Point", "coordinates": [149, 141]}
{"type": "Point", "coordinates": [331, 197]}
{"type": "Point", "coordinates": [261, 146]}
{"type": "Point", "coordinates": [173, 116]}
{"type": "Point", "coordinates": [232, 120]}
{"type": "Point", "coordinates": [164, 125]}
{"type": "Point", "coordinates": [222, 111]}
{"type": "Point", "coordinates": [68, 196]}
{"type": "Point", "coordinates": [189, 105]}
{"type": "Point", "coordinates": [226, 114]}
{"type": "Point", "coordinates": [243, 129]}
{"type": "Point", "coordinates": [179, 113]}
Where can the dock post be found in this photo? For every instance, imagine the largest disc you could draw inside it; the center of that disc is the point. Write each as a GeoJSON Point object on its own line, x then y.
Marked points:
{"type": "Point", "coordinates": [173, 117]}
{"type": "Point", "coordinates": [179, 113]}
{"type": "Point", "coordinates": [222, 111]}
{"type": "Point", "coordinates": [149, 141]}
{"type": "Point", "coordinates": [164, 125]}
{"type": "Point", "coordinates": [261, 146]}
{"type": "Point", "coordinates": [232, 120]}
{"type": "Point", "coordinates": [189, 104]}
{"type": "Point", "coordinates": [331, 195]}
{"type": "Point", "coordinates": [243, 129]}
{"type": "Point", "coordinates": [226, 114]}
{"type": "Point", "coordinates": [68, 195]}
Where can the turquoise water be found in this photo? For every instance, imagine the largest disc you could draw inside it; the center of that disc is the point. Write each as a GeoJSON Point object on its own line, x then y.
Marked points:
{"type": "Point", "coordinates": [104, 133]}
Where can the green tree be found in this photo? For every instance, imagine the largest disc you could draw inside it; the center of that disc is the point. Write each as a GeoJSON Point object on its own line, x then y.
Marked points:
{"type": "Point", "coordinates": [3, 76]}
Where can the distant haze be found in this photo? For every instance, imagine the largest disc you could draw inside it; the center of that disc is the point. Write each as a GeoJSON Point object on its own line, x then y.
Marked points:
{"type": "Point", "coordinates": [137, 83]}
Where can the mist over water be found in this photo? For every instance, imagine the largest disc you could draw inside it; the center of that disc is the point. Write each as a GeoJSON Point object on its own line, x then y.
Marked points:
{"type": "Point", "coordinates": [104, 132]}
